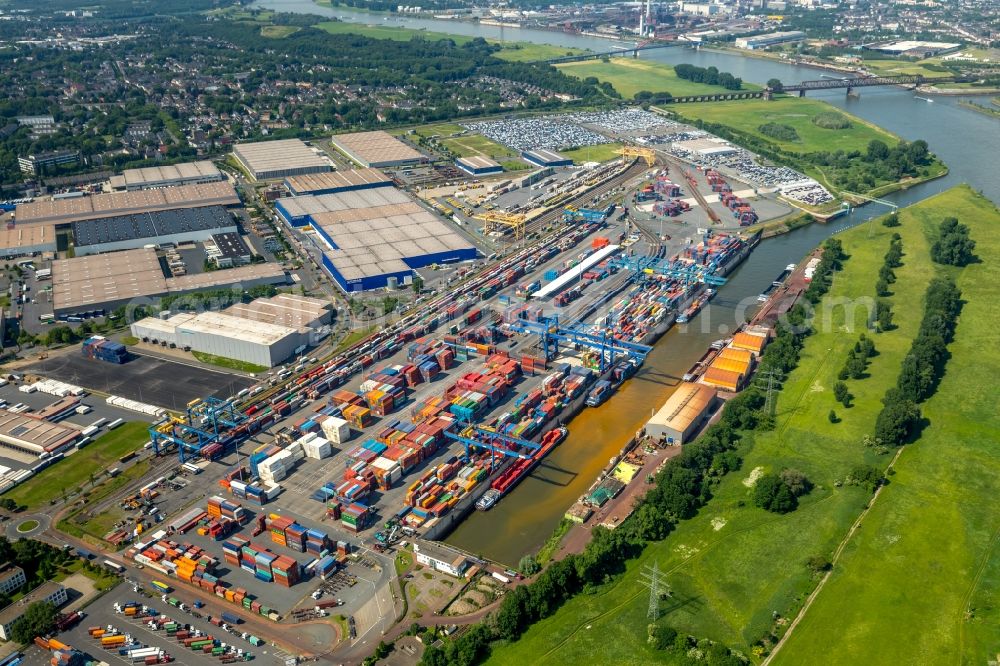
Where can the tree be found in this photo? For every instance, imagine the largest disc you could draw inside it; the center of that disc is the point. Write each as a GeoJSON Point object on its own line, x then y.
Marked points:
{"type": "Point", "coordinates": [418, 284]}
{"type": "Point", "coordinates": [883, 315]}
{"type": "Point", "coordinates": [772, 494]}
{"type": "Point", "coordinates": [896, 420]}
{"type": "Point", "coordinates": [856, 365]}
{"type": "Point", "coordinates": [841, 394]}
{"type": "Point", "coordinates": [7, 504]}
{"type": "Point", "coordinates": [818, 564]}
{"type": "Point", "coordinates": [796, 481]}
{"type": "Point", "coordinates": [877, 150]}
{"type": "Point", "coordinates": [775, 85]}
{"type": "Point", "coordinates": [39, 619]}
{"type": "Point", "coordinates": [953, 247]}
{"type": "Point", "coordinates": [832, 416]}
{"type": "Point", "coordinates": [529, 565]}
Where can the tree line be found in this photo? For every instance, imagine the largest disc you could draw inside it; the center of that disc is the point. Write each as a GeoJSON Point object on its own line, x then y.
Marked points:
{"type": "Point", "coordinates": [708, 75]}
{"type": "Point", "coordinates": [679, 489]}
{"type": "Point", "coordinates": [924, 364]}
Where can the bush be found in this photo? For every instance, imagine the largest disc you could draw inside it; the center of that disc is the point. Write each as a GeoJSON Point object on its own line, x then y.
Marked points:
{"type": "Point", "coordinates": [831, 120]}
{"type": "Point", "coordinates": [796, 481]}
{"type": "Point", "coordinates": [773, 494]}
{"type": "Point", "coordinates": [779, 132]}
{"type": "Point", "coordinates": [953, 247]}
{"type": "Point", "coordinates": [661, 637]}
{"type": "Point", "coordinates": [865, 476]}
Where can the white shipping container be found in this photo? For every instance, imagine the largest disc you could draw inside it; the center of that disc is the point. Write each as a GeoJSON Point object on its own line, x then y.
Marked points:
{"type": "Point", "coordinates": [336, 429]}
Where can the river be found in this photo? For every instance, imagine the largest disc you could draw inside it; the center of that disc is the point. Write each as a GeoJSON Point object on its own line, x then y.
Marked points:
{"type": "Point", "coordinates": [967, 141]}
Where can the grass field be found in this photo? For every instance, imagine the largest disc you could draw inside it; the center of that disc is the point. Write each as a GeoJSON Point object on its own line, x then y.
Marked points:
{"type": "Point", "coordinates": [396, 33]}
{"type": "Point", "coordinates": [528, 52]}
{"type": "Point", "coordinates": [629, 76]}
{"type": "Point", "coordinates": [733, 565]}
{"type": "Point", "coordinates": [901, 67]}
{"type": "Point", "coordinates": [230, 363]}
{"type": "Point", "coordinates": [599, 153]}
{"type": "Point", "coordinates": [75, 471]}
{"type": "Point", "coordinates": [278, 31]}
{"type": "Point", "coordinates": [796, 112]}
{"type": "Point", "coordinates": [477, 145]}
{"type": "Point", "coordinates": [928, 549]}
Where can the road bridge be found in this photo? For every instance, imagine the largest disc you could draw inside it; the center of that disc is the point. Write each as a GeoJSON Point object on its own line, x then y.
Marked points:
{"type": "Point", "coordinates": [624, 51]}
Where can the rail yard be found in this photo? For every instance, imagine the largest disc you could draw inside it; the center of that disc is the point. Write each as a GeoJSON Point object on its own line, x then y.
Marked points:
{"type": "Point", "coordinates": [285, 491]}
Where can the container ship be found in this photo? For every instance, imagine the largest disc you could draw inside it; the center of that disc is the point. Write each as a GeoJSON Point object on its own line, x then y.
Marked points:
{"type": "Point", "coordinates": [521, 468]}
{"type": "Point", "coordinates": [623, 369]}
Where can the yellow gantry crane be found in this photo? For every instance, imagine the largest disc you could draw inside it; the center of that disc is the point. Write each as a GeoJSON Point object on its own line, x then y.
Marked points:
{"type": "Point", "coordinates": [493, 220]}
{"type": "Point", "coordinates": [647, 154]}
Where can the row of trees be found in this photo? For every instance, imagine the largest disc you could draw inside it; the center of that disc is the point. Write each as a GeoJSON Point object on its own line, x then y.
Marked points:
{"type": "Point", "coordinates": [679, 489]}
{"type": "Point", "coordinates": [832, 260]}
{"type": "Point", "coordinates": [923, 365]}
{"type": "Point", "coordinates": [953, 246]}
{"type": "Point", "coordinates": [708, 75]}
{"type": "Point", "coordinates": [857, 359]}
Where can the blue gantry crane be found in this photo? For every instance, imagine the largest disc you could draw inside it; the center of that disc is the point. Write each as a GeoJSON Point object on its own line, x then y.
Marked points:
{"type": "Point", "coordinates": [205, 422]}
{"type": "Point", "coordinates": [493, 441]}
{"type": "Point", "coordinates": [607, 348]}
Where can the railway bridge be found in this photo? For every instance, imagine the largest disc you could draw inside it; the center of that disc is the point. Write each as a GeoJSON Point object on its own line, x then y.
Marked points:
{"type": "Point", "coordinates": [858, 82]}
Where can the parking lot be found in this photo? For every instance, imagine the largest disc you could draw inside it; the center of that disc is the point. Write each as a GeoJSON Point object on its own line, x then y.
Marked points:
{"type": "Point", "coordinates": [144, 378]}
{"type": "Point", "coordinates": [102, 613]}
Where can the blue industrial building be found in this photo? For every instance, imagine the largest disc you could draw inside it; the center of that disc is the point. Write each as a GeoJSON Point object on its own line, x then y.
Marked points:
{"type": "Point", "coordinates": [478, 166]}
{"type": "Point", "coordinates": [372, 238]}
{"type": "Point", "coordinates": [545, 158]}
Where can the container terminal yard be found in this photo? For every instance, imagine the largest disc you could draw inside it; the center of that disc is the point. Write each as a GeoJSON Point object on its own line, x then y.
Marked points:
{"type": "Point", "coordinates": [267, 499]}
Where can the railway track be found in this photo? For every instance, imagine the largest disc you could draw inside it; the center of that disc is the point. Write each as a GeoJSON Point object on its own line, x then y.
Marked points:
{"type": "Point", "coordinates": [347, 362]}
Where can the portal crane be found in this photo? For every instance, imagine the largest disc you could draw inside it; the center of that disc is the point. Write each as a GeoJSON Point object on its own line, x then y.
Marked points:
{"type": "Point", "coordinates": [608, 348]}
{"type": "Point", "coordinates": [646, 154]}
{"type": "Point", "coordinates": [495, 220]}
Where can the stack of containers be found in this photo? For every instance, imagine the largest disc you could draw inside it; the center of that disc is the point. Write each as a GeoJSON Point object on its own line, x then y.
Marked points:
{"type": "Point", "coordinates": [316, 542]}
{"type": "Point", "coordinates": [355, 516]}
{"type": "Point", "coordinates": [336, 429]}
{"type": "Point", "coordinates": [385, 398]}
{"type": "Point", "coordinates": [231, 550]}
{"type": "Point", "coordinates": [263, 562]}
{"type": "Point", "coordinates": [326, 567]}
{"type": "Point", "coordinates": [295, 537]}
{"type": "Point", "coordinates": [358, 416]}
{"type": "Point", "coordinates": [285, 571]}
{"type": "Point", "coordinates": [219, 507]}
{"type": "Point", "coordinates": [387, 472]}
{"type": "Point", "coordinates": [277, 528]}
{"type": "Point", "coordinates": [316, 447]}
{"type": "Point", "coordinates": [101, 349]}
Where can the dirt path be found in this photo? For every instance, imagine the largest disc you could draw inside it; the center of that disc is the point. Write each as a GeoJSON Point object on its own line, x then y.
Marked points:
{"type": "Point", "coordinates": [833, 563]}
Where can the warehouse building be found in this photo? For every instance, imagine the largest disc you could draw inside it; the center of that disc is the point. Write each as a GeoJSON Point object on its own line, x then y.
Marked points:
{"type": "Point", "coordinates": [375, 238]}
{"type": "Point", "coordinates": [265, 332]}
{"type": "Point", "coordinates": [89, 286]}
{"type": "Point", "coordinates": [128, 232]}
{"type": "Point", "coordinates": [228, 249]}
{"type": "Point", "coordinates": [727, 380]}
{"type": "Point", "coordinates": [50, 592]}
{"type": "Point", "coordinates": [25, 241]}
{"type": "Point", "coordinates": [190, 173]}
{"type": "Point", "coordinates": [337, 181]}
{"type": "Point", "coordinates": [265, 160]}
{"type": "Point", "coordinates": [683, 413]}
{"type": "Point", "coordinates": [770, 39]}
{"type": "Point", "coordinates": [67, 211]}
{"type": "Point", "coordinates": [546, 158]}
{"type": "Point", "coordinates": [28, 434]}
{"type": "Point", "coordinates": [377, 149]}
{"type": "Point", "coordinates": [478, 166]}
{"type": "Point", "coordinates": [704, 147]}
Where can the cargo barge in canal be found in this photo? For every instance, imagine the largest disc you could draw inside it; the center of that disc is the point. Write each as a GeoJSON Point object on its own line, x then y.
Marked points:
{"type": "Point", "coordinates": [515, 473]}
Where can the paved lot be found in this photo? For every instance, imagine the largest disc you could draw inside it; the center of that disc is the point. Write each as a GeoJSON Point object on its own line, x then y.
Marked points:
{"type": "Point", "coordinates": [146, 379]}
{"type": "Point", "coordinates": [101, 613]}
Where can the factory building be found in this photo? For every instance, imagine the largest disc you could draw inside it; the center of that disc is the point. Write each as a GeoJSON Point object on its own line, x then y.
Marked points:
{"type": "Point", "coordinates": [337, 181]}
{"type": "Point", "coordinates": [265, 160]}
{"type": "Point", "coordinates": [546, 158]}
{"type": "Point", "coordinates": [26, 433]}
{"type": "Point", "coordinates": [770, 39]}
{"type": "Point", "coordinates": [190, 173]}
{"type": "Point", "coordinates": [375, 238]}
{"type": "Point", "coordinates": [89, 286]}
{"type": "Point", "coordinates": [25, 241]}
{"type": "Point", "coordinates": [228, 249]}
{"type": "Point", "coordinates": [265, 332]}
{"type": "Point", "coordinates": [377, 149]}
{"type": "Point", "coordinates": [683, 413]}
{"type": "Point", "coordinates": [478, 166]}
{"type": "Point", "coordinates": [66, 211]}
{"type": "Point", "coordinates": [128, 232]}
